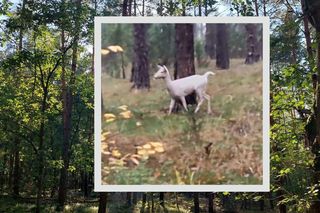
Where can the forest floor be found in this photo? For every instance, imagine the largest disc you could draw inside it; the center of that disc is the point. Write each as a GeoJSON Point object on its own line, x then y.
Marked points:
{"type": "Point", "coordinates": [141, 144]}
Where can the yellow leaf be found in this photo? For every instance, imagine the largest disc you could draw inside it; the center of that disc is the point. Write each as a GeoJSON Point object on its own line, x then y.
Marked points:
{"type": "Point", "coordinates": [123, 107]}
{"type": "Point", "coordinates": [109, 115]}
{"type": "Point", "coordinates": [147, 146]}
{"type": "Point", "coordinates": [115, 48]}
{"type": "Point", "coordinates": [116, 153]}
{"type": "Point", "coordinates": [142, 152]}
{"type": "Point", "coordinates": [103, 138]}
{"type": "Point", "coordinates": [134, 160]}
{"type": "Point", "coordinates": [105, 134]}
{"type": "Point", "coordinates": [110, 120]}
{"type": "Point", "coordinates": [112, 142]}
{"type": "Point", "coordinates": [156, 144]}
{"type": "Point", "coordinates": [151, 152]}
{"type": "Point", "coordinates": [159, 149]}
{"type": "Point", "coordinates": [105, 52]}
{"type": "Point", "coordinates": [126, 114]}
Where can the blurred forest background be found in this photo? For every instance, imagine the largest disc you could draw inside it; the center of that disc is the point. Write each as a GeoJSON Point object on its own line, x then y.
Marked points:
{"type": "Point", "coordinates": [141, 144]}
{"type": "Point", "coordinates": [46, 112]}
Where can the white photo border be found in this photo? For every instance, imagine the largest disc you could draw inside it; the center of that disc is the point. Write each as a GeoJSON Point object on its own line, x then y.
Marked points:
{"type": "Point", "coordinates": [99, 187]}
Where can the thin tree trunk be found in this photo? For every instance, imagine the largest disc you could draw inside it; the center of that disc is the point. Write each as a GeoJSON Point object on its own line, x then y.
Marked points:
{"type": "Point", "coordinates": [16, 169]}
{"type": "Point", "coordinates": [256, 7]}
{"type": "Point", "coordinates": [67, 111]}
{"type": "Point", "coordinates": [103, 202]}
{"type": "Point", "coordinates": [196, 202]}
{"type": "Point", "coordinates": [144, 200]}
{"type": "Point", "coordinates": [307, 34]}
{"type": "Point", "coordinates": [210, 197]}
{"type": "Point", "coordinates": [161, 198]}
{"type": "Point", "coordinates": [264, 8]}
{"type": "Point", "coordinates": [125, 8]}
{"type": "Point", "coordinates": [199, 7]}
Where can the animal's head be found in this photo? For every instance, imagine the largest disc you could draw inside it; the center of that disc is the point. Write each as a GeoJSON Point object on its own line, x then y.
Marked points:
{"type": "Point", "coordinates": [162, 72]}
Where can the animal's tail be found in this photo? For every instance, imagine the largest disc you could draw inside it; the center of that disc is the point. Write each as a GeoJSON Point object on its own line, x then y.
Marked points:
{"type": "Point", "coordinates": [208, 73]}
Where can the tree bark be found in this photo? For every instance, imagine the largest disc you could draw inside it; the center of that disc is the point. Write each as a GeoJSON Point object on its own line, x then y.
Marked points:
{"type": "Point", "coordinates": [307, 33]}
{"type": "Point", "coordinates": [196, 202]}
{"type": "Point", "coordinates": [161, 199]}
{"type": "Point", "coordinates": [222, 57]}
{"type": "Point", "coordinates": [252, 50]}
{"type": "Point", "coordinates": [210, 39]}
{"type": "Point", "coordinates": [125, 8]}
{"type": "Point", "coordinates": [184, 57]}
{"type": "Point", "coordinates": [140, 72]}
{"type": "Point", "coordinates": [210, 197]}
{"type": "Point", "coordinates": [103, 202]}
{"type": "Point", "coordinates": [67, 110]}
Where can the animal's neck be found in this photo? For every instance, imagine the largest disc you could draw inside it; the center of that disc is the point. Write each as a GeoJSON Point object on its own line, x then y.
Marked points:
{"type": "Point", "coordinates": [168, 78]}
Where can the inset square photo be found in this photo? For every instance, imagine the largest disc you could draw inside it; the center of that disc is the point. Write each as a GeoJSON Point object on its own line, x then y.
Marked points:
{"type": "Point", "coordinates": [182, 104]}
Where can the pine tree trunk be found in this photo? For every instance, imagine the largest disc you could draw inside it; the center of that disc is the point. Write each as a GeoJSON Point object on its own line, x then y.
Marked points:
{"type": "Point", "coordinates": [252, 50]}
{"type": "Point", "coordinates": [184, 57]}
{"type": "Point", "coordinates": [196, 202]}
{"type": "Point", "coordinates": [140, 72]}
{"type": "Point", "coordinates": [210, 38]}
{"type": "Point", "coordinates": [222, 49]}
{"type": "Point", "coordinates": [103, 202]}
{"type": "Point", "coordinates": [67, 111]}
{"type": "Point", "coordinates": [210, 202]}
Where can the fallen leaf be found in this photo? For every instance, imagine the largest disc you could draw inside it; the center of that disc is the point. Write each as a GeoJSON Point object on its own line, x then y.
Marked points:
{"type": "Point", "coordinates": [116, 153]}
{"type": "Point", "coordinates": [147, 146]}
{"type": "Point", "coordinates": [134, 160]}
{"type": "Point", "coordinates": [156, 144]}
{"type": "Point", "coordinates": [127, 114]}
{"type": "Point", "coordinates": [109, 115]}
{"type": "Point", "coordinates": [123, 107]}
{"type": "Point", "coordinates": [110, 120]}
{"type": "Point", "coordinates": [159, 149]}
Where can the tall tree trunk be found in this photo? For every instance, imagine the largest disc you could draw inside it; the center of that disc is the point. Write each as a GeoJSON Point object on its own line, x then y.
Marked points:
{"type": "Point", "coordinates": [264, 7]}
{"type": "Point", "coordinates": [210, 197]}
{"type": "Point", "coordinates": [125, 8]}
{"type": "Point", "coordinates": [143, 7]}
{"type": "Point", "coordinates": [161, 199]}
{"type": "Point", "coordinates": [256, 6]}
{"type": "Point", "coordinates": [196, 202]}
{"type": "Point", "coordinates": [16, 169]}
{"type": "Point", "coordinates": [144, 200]}
{"type": "Point", "coordinates": [210, 40]}
{"type": "Point", "coordinates": [184, 57]}
{"type": "Point", "coordinates": [103, 202]}
{"type": "Point", "coordinates": [135, 7]}
{"type": "Point", "coordinates": [41, 148]}
{"type": "Point", "coordinates": [307, 33]}
{"type": "Point", "coordinates": [199, 8]}
{"type": "Point", "coordinates": [140, 72]}
{"type": "Point", "coordinates": [222, 49]}
{"type": "Point", "coordinates": [252, 50]}
{"type": "Point", "coordinates": [67, 110]}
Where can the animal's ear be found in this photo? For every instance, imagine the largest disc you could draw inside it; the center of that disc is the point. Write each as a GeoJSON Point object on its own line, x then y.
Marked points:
{"type": "Point", "coordinates": [159, 66]}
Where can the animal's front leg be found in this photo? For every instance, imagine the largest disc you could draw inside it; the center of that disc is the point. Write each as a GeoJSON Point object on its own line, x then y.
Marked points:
{"type": "Point", "coordinates": [184, 103]}
{"type": "Point", "coordinates": [171, 106]}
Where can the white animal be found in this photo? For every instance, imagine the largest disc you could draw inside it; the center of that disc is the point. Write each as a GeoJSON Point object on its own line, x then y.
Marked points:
{"type": "Point", "coordinates": [180, 88]}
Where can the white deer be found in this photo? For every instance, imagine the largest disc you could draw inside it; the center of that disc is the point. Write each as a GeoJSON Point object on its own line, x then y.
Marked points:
{"type": "Point", "coordinates": [180, 88]}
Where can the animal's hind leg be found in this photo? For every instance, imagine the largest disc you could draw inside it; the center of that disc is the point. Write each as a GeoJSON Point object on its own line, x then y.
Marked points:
{"type": "Point", "coordinates": [207, 97]}
{"type": "Point", "coordinates": [201, 99]}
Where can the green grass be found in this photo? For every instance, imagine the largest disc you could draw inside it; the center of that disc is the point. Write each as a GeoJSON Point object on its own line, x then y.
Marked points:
{"type": "Point", "coordinates": [234, 129]}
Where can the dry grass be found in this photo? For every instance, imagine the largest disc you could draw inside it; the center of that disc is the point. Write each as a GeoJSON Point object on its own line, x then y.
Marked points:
{"type": "Point", "coordinates": [227, 151]}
